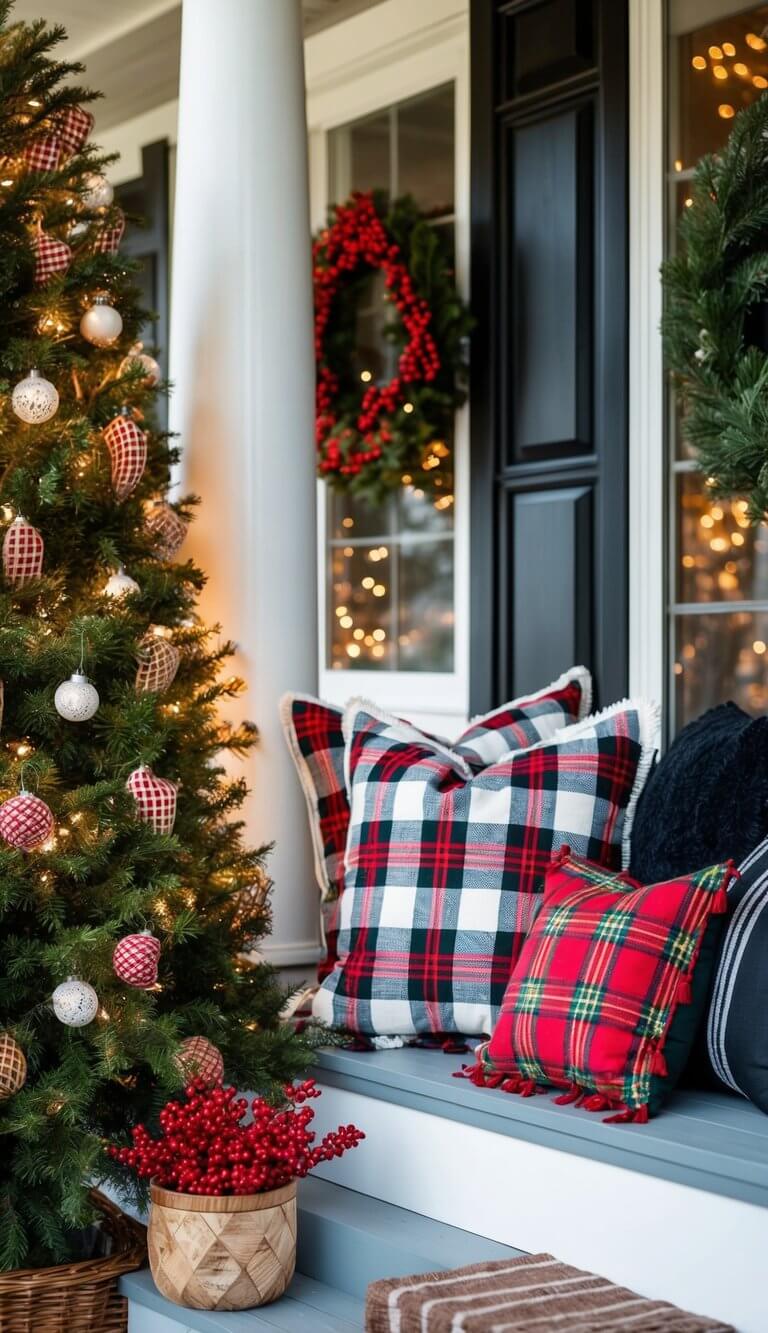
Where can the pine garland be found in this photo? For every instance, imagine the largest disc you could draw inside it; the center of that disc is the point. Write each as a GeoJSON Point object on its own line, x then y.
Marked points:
{"type": "Point", "coordinates": [715, 287]}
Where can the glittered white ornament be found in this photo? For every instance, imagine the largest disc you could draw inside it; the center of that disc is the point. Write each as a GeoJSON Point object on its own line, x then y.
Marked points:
{"type": "Point", "coordinates": [102, 324]}
{"type": "Point", "coordinates": [138, 359]}
{"type": "Point", "coordinates": [77, 230]}
{"type": "Point", "coordinates": [76, 699]}
{"type": "Point", "coordinates": [75, 1003]}
{"type": "Point", "coordinates": [120, 585]}
{"type": "Point", "coordinates": [98, 192]}
{"type": "Point", "coordinates": [35, 399]}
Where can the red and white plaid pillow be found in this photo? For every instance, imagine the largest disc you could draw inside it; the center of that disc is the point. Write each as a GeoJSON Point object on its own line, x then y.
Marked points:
{"type": "Point", "coordinates": [313, 730]}
{"type": "Point", "coordinates": [445, 863]}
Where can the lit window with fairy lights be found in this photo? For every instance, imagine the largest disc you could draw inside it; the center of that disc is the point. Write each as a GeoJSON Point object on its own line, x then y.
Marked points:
{"type": "Point", "coordinates": [390, 570]}
{"type": "Point", "coordinates": [718, 587]}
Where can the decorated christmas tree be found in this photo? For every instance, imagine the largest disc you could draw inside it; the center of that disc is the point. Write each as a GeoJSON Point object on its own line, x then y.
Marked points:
{"type": "Point", "coordinates": [128, 902]}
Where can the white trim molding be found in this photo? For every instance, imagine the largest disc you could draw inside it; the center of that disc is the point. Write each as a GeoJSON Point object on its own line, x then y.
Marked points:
{"type": "Point", "coordinates": [647, 488]}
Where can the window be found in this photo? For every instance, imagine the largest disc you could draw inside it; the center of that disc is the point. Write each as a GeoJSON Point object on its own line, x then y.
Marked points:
{"type": "Point", "coordinates": [390, 571]}
{"type": "Point", "coordinates": [718, 596]}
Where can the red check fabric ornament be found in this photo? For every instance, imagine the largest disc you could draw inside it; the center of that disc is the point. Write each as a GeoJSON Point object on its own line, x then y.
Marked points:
{"type": "Point", "coordinates": [158, 664]}
{"type": "Point", "coordinates": [607, 993]}
{"type": "Point", "coordinates": [23, 551]}
{"type": "Point", "coordinates": [167, 528]}
{"type": "Point", "coordinates": [445, 863]}
{"type": "Point", "coordinates": [199, 1058]}
{"type": "Point", "coordinates": [108, 238]}
{"type": "Point", "coordinates": [52, 256]}
{"type": "Point", "coordinates": [135, 959]}
{"type": "Point", "coordinates": [25, 821]}
{"type": "Point", "coordinates": [155, 799]}
{"type": "Point", "coordinates": [43, 154]}
{"type": "Point", "coordinates": [73, 127]}
{"type": "Point", "coordinates": [127, 445]}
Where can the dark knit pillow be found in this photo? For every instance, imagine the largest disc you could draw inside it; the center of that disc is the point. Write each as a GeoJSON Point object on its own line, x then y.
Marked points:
{"type": "Point", "coordinates": [706, 800]}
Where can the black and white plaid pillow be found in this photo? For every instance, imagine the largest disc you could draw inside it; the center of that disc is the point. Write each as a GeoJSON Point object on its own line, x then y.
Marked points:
{"type": "Point", "coordinates": [737, 1030]}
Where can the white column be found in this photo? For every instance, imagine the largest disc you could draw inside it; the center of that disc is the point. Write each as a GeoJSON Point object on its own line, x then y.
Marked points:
{"type": "Point", "coordinates": [242, 365]}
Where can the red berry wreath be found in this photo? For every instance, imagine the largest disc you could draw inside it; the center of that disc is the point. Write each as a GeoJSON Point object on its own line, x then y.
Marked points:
{"type": "Point", "coordinates": [371, 435]}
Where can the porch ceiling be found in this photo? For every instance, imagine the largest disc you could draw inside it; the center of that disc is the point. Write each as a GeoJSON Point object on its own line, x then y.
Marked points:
{"type": "Point", "coordinates": [134, 58]}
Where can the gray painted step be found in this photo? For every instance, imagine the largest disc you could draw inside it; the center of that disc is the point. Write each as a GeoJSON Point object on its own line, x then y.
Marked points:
{"type": "Point", "coordinates": [710, 1140]}
{"type": "Point", "coordinates": [345, 1241]}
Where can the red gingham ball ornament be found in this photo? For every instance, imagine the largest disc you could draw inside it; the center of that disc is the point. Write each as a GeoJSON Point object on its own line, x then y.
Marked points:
{"type": "Point", "coordinates": [135, 959]}
{"type": "Point", "coordinates": [22, 553]}
{"type": "Point", "coordinates": [73, 126]}
{"type": "Point", "coordinates": [43, 154]}
{"type": "Point", "coordinates": [108, 237]}
{"type": "Point", "coordinates": [52, 256]}
{"type": "Point", "coordinates": [155, 799]}
{"type": "Point", "coordinates": [199, 1058]}
{"type": "Point", "coordinates": [167, 529]}
{"type": "Point", "coordinates": [158, 663]}
{"type": "Point", "coordinates": [127, 445]}
{"type": "Point", "coordinates": [26, 822]}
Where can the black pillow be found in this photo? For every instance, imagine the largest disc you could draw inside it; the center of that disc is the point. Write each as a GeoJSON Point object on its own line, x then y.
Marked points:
{"type": "Point", "coordinates": [706, 800]}
{"type": "Point", "coordinates": [737, 1034]}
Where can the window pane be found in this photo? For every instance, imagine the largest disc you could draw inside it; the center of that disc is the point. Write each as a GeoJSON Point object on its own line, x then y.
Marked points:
{"type": "Point", "coordinates": [360, 156]}
{"type": "Point", "coordinates": [715, 68]}
{"type": "Point", "coordinates": [425, 150]}
{"type": "Point", "coordinates": [718, 68]}
{"type": "Point", "coordinates": [360, 608]}
{"type": "Point", "coordinates": [720, 657]}
{"type": "Point", "coordinates": [721, 557]}
{"type": "Point", "coordinates": [425, 629]}
{"type": "Point", "coordinates": [390, 569]}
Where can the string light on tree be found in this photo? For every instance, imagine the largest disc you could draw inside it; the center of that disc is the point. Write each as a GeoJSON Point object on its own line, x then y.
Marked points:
{"type": "Point", "coordinates": [75, 1003]}
{"type": "Point", "coordinates": [101, 324]}
{"type": "Point", "coordinates": [34, 399]}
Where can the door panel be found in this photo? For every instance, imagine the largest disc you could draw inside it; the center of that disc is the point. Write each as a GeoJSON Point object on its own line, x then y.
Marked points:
{"type": "Point", "coordinates": [548, 373]}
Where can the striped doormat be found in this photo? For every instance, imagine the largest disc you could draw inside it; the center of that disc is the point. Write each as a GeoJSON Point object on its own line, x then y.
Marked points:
{"type": "Point", "coordinates": [534, 1292]}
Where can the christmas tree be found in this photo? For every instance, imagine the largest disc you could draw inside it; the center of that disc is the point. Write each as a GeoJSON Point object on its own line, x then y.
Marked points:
{"type": "Point", "coordinates": [116, 818]}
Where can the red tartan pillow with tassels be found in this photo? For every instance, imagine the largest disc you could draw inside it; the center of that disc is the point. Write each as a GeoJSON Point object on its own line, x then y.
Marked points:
{"type": "Point", "coordinates": [609, 989]}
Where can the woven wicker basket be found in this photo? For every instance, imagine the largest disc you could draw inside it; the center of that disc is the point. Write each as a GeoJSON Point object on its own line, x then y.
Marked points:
{"type": "Point", "coordinates": [79, 1297]}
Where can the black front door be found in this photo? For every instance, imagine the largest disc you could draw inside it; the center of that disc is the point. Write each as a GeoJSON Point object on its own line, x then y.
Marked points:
{"type": "Point", "coordinates": [549, 356]}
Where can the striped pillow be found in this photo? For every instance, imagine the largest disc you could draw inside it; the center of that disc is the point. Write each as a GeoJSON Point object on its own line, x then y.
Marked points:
{"type": "Point", "coordinates": [737, 1032]}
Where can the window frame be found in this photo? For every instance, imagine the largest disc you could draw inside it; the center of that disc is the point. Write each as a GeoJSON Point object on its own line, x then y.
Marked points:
{"type": "Point", "coordinates": [385, 55]}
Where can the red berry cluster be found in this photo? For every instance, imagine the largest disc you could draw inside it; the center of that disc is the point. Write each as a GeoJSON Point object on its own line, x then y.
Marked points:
{"type": "Point", "coordinates": [204, 1147]}
{"type": "Point", "coordinates": [358, 238]}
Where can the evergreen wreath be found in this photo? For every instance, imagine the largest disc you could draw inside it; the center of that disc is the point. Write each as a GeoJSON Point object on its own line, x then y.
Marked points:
{"type": "Point", "coordinates": [715, 293]}
{"type": "Point", "coordinates": [372, 436]}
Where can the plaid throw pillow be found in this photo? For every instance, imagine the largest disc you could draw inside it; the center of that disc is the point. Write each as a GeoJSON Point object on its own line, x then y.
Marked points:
{"type": "Point", "coordinates": [444, 864]}
{"type": "Point", "coordinates": [607, 993]}
{"type": "Point", "coordinates": [315, 739]}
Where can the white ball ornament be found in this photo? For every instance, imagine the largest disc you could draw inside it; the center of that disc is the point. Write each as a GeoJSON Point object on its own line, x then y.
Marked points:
{"type": "Point", "coordinates": [76, 699]}
{"type": "Point", "coordinates": [138, 359]}
{"type": "Point", "coordinates": [98, 191]}
{"type": "Point", "coordinates": [75, 1003]}
{"type": "Point", "coordinates": [101, 324]}
{"type": "Point", "coordinates": [35, 399]}
{"type": "Point", "coordinates": [120, 585]}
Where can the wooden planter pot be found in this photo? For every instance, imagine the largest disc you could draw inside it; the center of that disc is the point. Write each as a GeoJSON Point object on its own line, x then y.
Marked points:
{"type": "Point", "coordinates": [222, 1253]}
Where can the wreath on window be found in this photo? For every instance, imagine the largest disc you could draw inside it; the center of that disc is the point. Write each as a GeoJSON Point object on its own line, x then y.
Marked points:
{"type": "Point", "coordinates": [378, 429]}
{"type": "Point", "coordinates": [715, 325]}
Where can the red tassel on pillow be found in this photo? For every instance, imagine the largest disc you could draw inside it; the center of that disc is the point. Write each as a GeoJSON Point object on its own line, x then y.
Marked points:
{"type": "Point", "coordinates": [659, 1064]}
{"type": "Point", "coordinates": [684, 993]}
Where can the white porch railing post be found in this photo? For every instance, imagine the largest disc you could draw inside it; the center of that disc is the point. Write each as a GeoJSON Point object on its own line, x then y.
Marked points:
{"type": "Point", "coordinates": [242, 363]}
